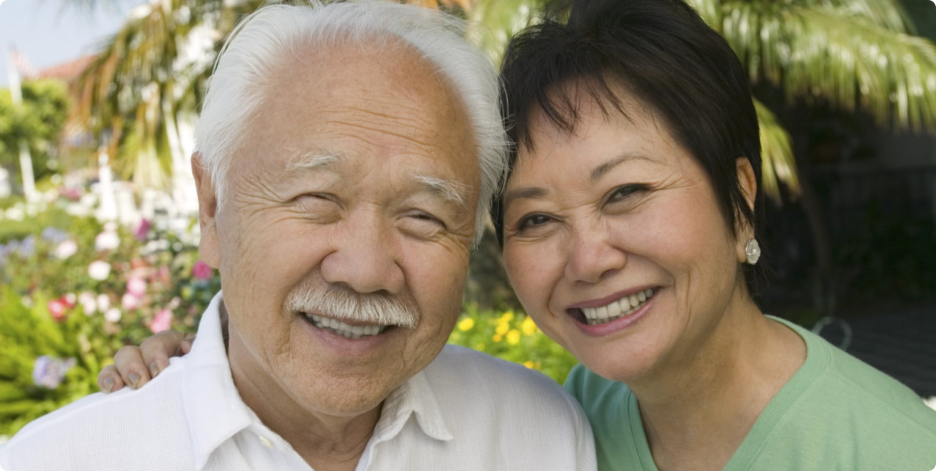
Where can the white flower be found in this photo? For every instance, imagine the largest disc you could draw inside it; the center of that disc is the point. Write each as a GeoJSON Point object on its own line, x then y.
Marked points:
{"type": "Point", "coordinates": [103, 302]}
{"type": "Point", "coordinates": [112, 315]}
{"type": "Point", "coordinates": [66, 249]}
{"type": "Point", "coordinates": [107, 240]}
{"type": "Point", "coordinates": [99, 270]}
{"type": "Point", "coordinates": [88, 302]}
{"type": "Point", "coordinates": [15, 214]}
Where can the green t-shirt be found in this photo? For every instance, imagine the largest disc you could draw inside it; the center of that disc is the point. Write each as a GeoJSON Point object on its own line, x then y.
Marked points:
{"type": "Point", "coordinates": [835, 413]}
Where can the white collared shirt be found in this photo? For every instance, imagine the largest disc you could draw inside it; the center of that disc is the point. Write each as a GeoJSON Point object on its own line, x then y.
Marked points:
{"type": "Point", "coordinates": [465, 411]}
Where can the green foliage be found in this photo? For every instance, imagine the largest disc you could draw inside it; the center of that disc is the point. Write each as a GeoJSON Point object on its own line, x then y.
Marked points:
{"type": "Point", "coordinates": [38, 278]}
{"type": "Point", "coordinates": [512, 337]}
{"type": "Point", "coordinates": [39, 121]}
{"type": "Point", "coordinates": [28, 334]}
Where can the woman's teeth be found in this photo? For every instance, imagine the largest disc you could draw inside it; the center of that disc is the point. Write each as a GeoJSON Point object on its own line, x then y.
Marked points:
{"type": "Point", "coordinates": [618, 309]}
{"type": "Point", "coordinates": [345, 330]}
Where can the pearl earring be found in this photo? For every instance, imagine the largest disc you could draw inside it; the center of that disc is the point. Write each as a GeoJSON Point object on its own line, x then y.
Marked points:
{"type": "Point", "coordinates": [752, 250]}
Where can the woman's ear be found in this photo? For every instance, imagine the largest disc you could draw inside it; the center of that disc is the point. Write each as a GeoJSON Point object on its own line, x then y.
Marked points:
{"type": "Point", "coordinates": [747, 179]}
{"type": "Point", "coordinates": [748, 182]}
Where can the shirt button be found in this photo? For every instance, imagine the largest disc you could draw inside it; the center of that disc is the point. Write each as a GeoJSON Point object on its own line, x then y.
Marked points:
{"type": "Point", "coordinates": [266, 441]}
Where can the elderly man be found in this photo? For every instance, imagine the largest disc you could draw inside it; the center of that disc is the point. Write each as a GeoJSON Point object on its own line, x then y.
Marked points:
{"type": "Point", "coordinates": [344, 153]}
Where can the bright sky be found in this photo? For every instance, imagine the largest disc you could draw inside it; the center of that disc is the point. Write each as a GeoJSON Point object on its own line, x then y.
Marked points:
{"type": "Point", "coordinates": [49, 34]}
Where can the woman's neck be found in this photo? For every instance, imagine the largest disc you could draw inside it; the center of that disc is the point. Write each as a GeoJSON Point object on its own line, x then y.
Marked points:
{"type": "Point", "coordinates": [697, 406]}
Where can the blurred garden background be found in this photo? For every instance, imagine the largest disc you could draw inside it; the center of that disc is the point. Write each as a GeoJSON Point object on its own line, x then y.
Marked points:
{"type": "Point", "coordinates": [98, 236]}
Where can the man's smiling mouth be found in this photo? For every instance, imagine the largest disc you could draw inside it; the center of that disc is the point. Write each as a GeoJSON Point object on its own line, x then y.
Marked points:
{"type": "Point", "coordinates": [343, 329]}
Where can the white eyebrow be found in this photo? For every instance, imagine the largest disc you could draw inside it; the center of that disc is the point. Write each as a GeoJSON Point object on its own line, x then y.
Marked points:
{"type": "Point", "coordinates": [311, 160]}
{"type": "Point", "coordinates": [450, 190]}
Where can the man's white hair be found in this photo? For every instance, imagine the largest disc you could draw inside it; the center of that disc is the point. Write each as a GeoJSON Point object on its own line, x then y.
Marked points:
{"type": "Point", "coordinates": [264, 40]}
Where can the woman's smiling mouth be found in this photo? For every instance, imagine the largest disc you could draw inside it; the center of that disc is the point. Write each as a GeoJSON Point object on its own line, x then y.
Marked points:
{"type": "Point", "coordinates": [614, 310]}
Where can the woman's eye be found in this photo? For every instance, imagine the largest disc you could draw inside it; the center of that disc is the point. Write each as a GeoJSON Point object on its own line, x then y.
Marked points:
{"type": "Point", "coordinates": [533, 221]}
{"type": "Point", "coordinates": [623, 191]}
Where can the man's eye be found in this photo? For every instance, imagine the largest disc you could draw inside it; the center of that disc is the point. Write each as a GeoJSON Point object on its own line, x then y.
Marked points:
{"type": "Point", "coordinates": [423, 225]}
{"type": "Point", "coordinates": [317, 198]}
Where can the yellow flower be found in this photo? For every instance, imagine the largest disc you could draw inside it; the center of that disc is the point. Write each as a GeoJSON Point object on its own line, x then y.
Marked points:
{"type": "Point", "coordinates": [479, 347]}
{"type": "Point", "coordinates": [502, 329]}
{"type": "Point", "coordinates": [529, 327]}
{"type": "Point", "coordinates": [513, 337]}
{"type": "Point", "coordinates": [528, 364]}
{"type": "Point", "coordinates": [507, 317]}
{"type": "Point", "coordinates": [497, 337]}
{"type": "Point", "coordinates": [466, 324]}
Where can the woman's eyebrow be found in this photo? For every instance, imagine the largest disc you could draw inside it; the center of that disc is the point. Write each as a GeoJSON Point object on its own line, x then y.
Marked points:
{"type": "Point", "coordinates": [530, 192]}
{"type": "Point", "coordinates": [606, 167]}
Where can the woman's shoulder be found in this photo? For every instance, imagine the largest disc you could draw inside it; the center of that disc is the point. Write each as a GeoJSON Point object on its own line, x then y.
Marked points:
{"type": "Point", "coordinates": [846, 411]}
{"type": "Point", "coordinates": [593, 391]}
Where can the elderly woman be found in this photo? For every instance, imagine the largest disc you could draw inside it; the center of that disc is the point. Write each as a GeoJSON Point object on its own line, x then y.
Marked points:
{"type": "Point", "coordinates": [629, 227]}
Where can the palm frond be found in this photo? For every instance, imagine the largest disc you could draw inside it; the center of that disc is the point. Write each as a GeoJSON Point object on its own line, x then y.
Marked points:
{"type": "Point", "coordinates": [778, 163]}
{"type": "Point", "coordinates": [494, 22]}
{"type": "Point", "coordinates": [819, 53]}
{"type": "Point", "coordinates": [887, 14]}
{"type": "Point", "coordinates": [710, 11]}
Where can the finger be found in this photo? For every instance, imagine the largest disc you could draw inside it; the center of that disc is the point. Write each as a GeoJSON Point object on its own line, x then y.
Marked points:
{"type": "Point", "coordinates": [157, 349]}
{"type": "Point", "coordinates": [109, 380]}
{"type": "Point", "coordinates": [129, 363]}
{"type": "Point", "coordinates": [187, 342]}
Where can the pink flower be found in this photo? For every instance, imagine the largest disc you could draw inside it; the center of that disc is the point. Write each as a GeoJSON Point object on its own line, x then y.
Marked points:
{"type": "Point", "coordinates": [136, 287]}
{"type": "Point", "coordinates": [57, 309]}
{"type": "Point", "coordinates": [141, 229]}
{"type": "Point", "coordinates": [129, 301]}
{"type": "Point", "coordinates": [161, 321]}
{"type": "Point", "coordinates": [202, 271]}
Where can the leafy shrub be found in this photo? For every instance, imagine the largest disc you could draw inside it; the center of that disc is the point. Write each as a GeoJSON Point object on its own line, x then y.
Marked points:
{"type": "Point", "coordinates": [512, 337]}
{"type": "Point", "coordinates": [76, 290]}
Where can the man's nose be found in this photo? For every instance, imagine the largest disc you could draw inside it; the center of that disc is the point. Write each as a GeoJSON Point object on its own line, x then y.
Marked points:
{"type": "Point", "coordinates": [366, 257]}
{"type": "Point", "coordinates": [591, 255]}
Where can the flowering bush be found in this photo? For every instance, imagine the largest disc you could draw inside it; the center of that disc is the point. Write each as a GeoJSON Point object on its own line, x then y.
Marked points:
{"type": "Point", "coordinates": [512, 337]}
{"type": "Point", "coordinates": [46, 361]}
{"type": "Point", "coordinates": [75, 290]}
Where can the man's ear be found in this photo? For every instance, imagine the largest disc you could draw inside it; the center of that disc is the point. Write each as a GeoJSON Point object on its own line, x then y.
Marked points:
{"type": "Point", "coordinates": [748, 182]}
{"type": "Point", "coordinates": [208, 249]}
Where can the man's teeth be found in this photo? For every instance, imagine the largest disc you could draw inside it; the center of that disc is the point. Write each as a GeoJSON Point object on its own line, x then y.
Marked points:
{"type": "Point", "coordinates": [345, 330]}
{"type": "Point", "coordinates": [618, 309]}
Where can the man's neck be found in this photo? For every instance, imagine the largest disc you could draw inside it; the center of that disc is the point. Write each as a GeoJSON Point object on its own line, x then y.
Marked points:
{"type": "Point", "coordinates": [326, 442]}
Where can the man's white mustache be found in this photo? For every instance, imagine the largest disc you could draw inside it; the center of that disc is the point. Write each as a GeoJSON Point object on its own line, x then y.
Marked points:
{"type": "Point", "coordinates": [347, 305]}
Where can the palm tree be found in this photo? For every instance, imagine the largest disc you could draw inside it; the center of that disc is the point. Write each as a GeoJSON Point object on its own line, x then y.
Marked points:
{"type": "Point", "coordinates": [852, 54]}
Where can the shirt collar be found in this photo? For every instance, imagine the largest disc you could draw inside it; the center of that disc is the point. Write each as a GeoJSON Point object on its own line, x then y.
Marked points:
{"type": "Point", "coordinates": [216, 412]}
{"type": "Point", "coordinates": [213, 407]}
{"type": "Point", "coordinates": [414, 397]}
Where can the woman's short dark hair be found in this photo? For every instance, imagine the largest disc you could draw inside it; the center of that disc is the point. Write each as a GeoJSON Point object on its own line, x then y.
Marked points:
{"type": "Point", "coordinates": [668, 58]}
